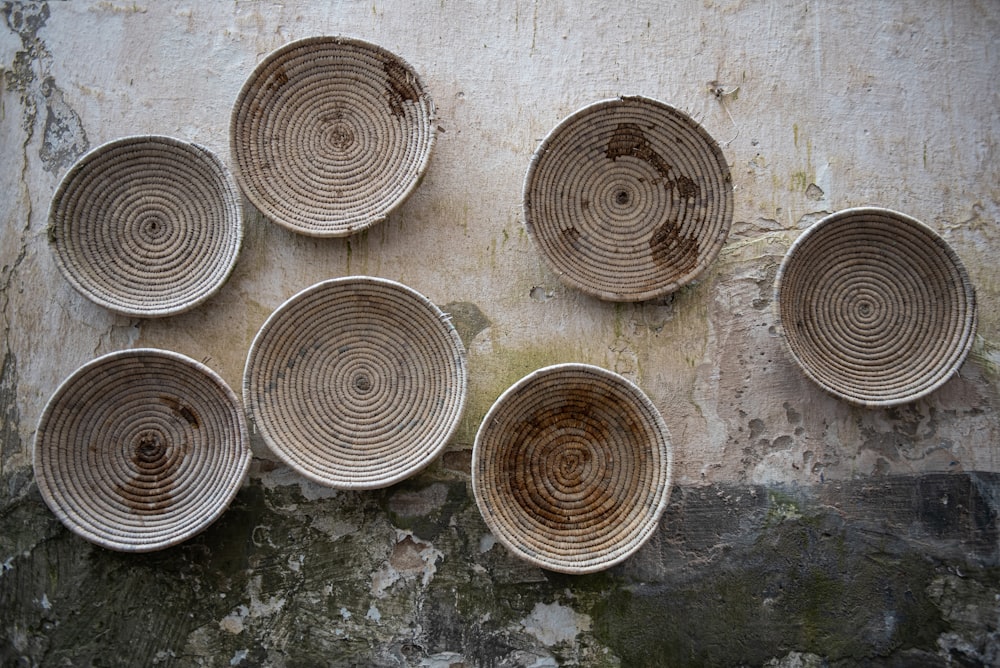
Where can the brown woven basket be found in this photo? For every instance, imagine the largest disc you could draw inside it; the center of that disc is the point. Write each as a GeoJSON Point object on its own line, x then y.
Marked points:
{"type": "Point", "coordinates": [571, 468]}
{"type": "Point", "coordinates": [875, 307]}
{"type": "Point", "coordinates": [628, 199]}
{"type": "Point", "coordinates": [356, 382]}
{"type": "Point", "coordinates": [330, 134]}
{"type": "Point", "coordinates": [147, 226]}
{"type": "Point", "coordinates": [141, 449]}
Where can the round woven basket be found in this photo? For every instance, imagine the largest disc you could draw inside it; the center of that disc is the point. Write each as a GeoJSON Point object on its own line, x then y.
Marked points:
{"type": "Point", "coordinates": [571, 468]}
{"type": "Point", "coordinates": [356, 382]}
{"type": "Point", "coordinates": [628, 199]}
{"type": "Point", "coordinates": [141, 449]}
{"type": "Point", "coordinates": [147, 226]}
{"type": "Point", "coordinates": [875, 307]}
{"type": "Point", "coordinates": [330, 134]}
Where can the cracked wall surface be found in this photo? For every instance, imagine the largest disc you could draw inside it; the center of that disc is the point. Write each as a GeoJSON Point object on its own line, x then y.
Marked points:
{"type": "Point", "coordinates": [800, 530]}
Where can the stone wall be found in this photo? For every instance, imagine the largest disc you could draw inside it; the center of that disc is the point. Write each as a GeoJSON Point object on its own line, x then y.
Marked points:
{"type": "Point", "coordinates": [800, 530]}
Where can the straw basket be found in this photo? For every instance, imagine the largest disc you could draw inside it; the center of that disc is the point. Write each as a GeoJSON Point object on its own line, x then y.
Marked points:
{"type": "Point", "coordinates": [146, 226]}
{"type": "Point", "coordinates": [356, 382]}
{"type": "Point", "coordinates": [141, 449]}
{"type": "Point", "coordinates": [330, 134]}
{"type": "Point", "coordinates": [628, 199]}
{"type": "Point", "coordinates": [571, 468]}
{"type": "Point", "coordinates": [875, 307]}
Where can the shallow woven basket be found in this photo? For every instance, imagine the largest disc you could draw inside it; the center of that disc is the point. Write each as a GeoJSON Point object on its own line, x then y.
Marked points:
{"type": "Point", "coordinates": [141, 449]}
{"type": "Point", "coordinates": [571, 468]}
{"type": "Point", "coordinates": [330, 134]}
{"type": "Point", "coordinates": [628, 199]}
{"type": "Point", "coordinates": [875, 307]}
{"type": "Point", "coordinates": [356, 382]}
{"type": "Point", "coordinates": [147, 226]}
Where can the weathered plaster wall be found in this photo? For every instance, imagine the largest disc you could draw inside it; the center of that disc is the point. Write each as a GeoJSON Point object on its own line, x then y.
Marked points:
{"type": "Point", "coordinates": [799, 529]}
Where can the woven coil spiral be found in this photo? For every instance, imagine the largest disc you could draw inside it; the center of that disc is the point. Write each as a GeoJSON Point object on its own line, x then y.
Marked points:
{"type": "Point", "coordinates": [875, 307]}
{"type": "Point", "coordinates": [628, 199]}
{"type": "Point", "coordinates": [571, 468]}
{"type": "Point", "coordinates": [141, 449]}
{"type": "Point", "coordinates": [330, 134]}
{"type": "Point", "coordinates": [356, 382]}
{"type": "Point", "coordinates": [147, 226]}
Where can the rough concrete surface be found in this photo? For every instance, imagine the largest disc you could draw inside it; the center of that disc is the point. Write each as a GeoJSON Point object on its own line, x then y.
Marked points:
{"type": "Point", "coordinates": [801, 531]}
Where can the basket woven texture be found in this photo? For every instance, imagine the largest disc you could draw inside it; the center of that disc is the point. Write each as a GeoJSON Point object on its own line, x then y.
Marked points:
{"type": "Point", "coordinates": [147, 226]}
{"type": "Point", "coordinates": [141, 449]}
{"type": "Point", "coordinates": [571, 468]}
{"type": "Point", "coordinates": [628, 199]}
{"type": "Point", "coordinates": [356, 382]}
{"type": "Point", "coordinates": [330, 134]}
{"type": "Point", "coordinates": [875, 307]}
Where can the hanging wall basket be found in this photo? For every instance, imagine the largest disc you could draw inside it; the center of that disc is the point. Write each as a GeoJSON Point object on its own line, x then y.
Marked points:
{"type": "Point", "coordinates": [330, 134]}
{"type": "Point", "coordinates": [628, 199]}
{"type": "Point", "coordinates": [875, 307]}
{"type": "Point", "coordinates": [571, 468]}
{"type": "Point", "coordinates": [141, 449]}
{"type": "Point", "coordinates": [146, 226]}
{"type": "Point", "coordinates": [356, 382]}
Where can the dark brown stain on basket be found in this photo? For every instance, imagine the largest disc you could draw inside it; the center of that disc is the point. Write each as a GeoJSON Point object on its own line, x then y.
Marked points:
{"type": "Point", "coordinates": [280, 76]}
{"type": "Point", "coordinates": [572, 237]}
{"type": "Point", "coordinates": [401, 87]}
{"type": "Point", "coordinates": [180, 410]}
{"type": "Point", "coordinates": [669, 248]}
{"type": "Point", "coordinates": [154, 465]}
{"type": "Point", "coordinates": [524, 480]}
{"type": "Point", "coordinates": [629, 140]}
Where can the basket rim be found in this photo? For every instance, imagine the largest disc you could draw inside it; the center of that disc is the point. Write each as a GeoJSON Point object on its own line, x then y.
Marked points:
{"type": "Point", "coordinates": [461, 390]}
{"type": "Point", "coordinates": [544, 147]}
{"type": "Point", "coordinates": [248, 85]}
{"type": "Point", "coordinates": [652, 520]}
{"type": "Point", "coordinates": [969, 328]}
{"type": "Point", "coordinates": [230, 193]}
{"type": "Point", "coordinates": [243, 464]}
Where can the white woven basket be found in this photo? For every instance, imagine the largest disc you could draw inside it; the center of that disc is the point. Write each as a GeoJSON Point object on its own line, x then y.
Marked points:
{"type": "Point", "coordinates": [141, 449]}
{"type": "Point", "coordinates": [357, 382]}
{"type": "Point", "coordinates": [571, 468]}
{"type": "Point", "coordinates": [147, 226]}
{"type": "Point", "coordinates": [628, 199]}
{"type": "Point", "coordinates": [875, 307]}
{"type": "Point", "coordinates": [331, 134]}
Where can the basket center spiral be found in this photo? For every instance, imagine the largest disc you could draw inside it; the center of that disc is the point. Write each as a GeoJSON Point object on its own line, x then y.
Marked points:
{"type": "Point", "coordinates": [150, 449]}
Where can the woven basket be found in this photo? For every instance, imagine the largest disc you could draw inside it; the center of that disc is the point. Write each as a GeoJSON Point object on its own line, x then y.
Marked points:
{"type": "Point", "coordinates": [628, 199]}
{"type": "Point", "coordinates": [875, 307]}
{"type": "Point", "coordinates": [147, 226]}
{"type": "Point", "coordinates": [356, 382]}
{"type": "Point", "coordinates": [571, 468]}
{"type": "Point", "coordinates": [141, 449]}
{"type": "Point", "coordinates": [330, 134]}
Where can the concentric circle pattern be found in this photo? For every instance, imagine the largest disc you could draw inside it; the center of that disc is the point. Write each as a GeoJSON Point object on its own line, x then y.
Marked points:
{"type": "Point", "coordinates": [141, 449]}
{"type": "Point", "coordinates": [147, 226]}
{"type": "Point", "coordinates": [571, 468]}
{"type": "Point", "coordinates": [628, 199]}
{"type": "Point", "coordinates": [875, 306]}
{"type": "Point", "coordinates": [330, 134]}
{"type": "Point", "coordinates": [356, 382]}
